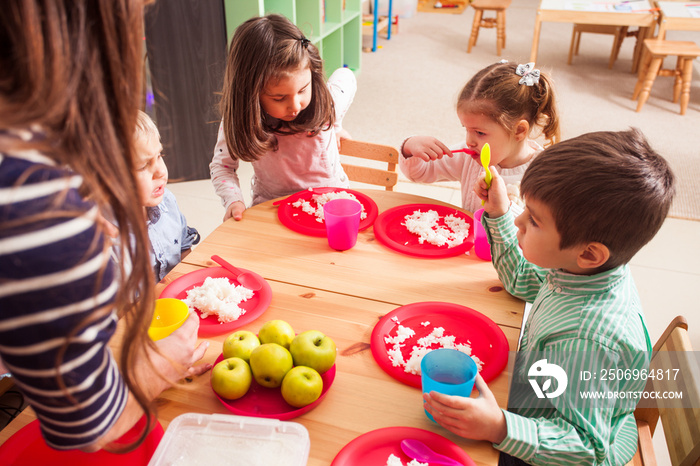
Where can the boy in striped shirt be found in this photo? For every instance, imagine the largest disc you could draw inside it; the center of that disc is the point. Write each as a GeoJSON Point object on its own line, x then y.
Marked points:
{"type": "Point", "coordinates": [591, 203]}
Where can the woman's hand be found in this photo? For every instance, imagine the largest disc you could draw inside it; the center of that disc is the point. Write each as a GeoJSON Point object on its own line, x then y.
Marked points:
{"type": "Point", "coordinates": [474, 418]}
{"type": "Point", "coordinates": [425, 147]}
{"type": "Point", "coordinates": [235, 210]}
{"type": "Point", "coordinates": [495, 197]}
{"type": "Point", "coordinates": [181, 348]}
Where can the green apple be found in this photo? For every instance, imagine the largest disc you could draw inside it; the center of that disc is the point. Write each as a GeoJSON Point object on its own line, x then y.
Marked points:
{"type": "Point", "coordinates": [231, 378]}
{"type": "Point", "coordinates": [270, 362]}
{"type": "Point", "coordinates": [313, 349]}
{"type": "Point", "coordinates": [301, 386]}
{"type": "Point", "coordinates": [240, 344]}
{"type": "Point", "coordinates": [276, 331]}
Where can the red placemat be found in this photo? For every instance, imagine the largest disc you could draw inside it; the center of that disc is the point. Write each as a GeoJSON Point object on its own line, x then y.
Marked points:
{"type": "Point", "coordinates": [209, 326]}
{"type": "Point", "coordinates": [268, 402]}
{"type": "Point", "coordinates": [28, 448]}
{"type": "Point", "coordinates": [297, 220]}
{"type": "Point", "coordinates": [390, 231]}
{"type": "Point", "coordinates": [487, 340]}
{"type": "Point", "coordinates": [374, 447]}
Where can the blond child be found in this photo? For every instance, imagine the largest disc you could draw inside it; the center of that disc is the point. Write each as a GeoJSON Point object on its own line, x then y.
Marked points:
{"type": "Point", "coordinates": [591, 203]}
{"type": "Point", "coordinates": [171, 238]}
{"type": "Point", "coordinates": [501, 105]}
{"type": "Point", "coordinates": [279, 114]}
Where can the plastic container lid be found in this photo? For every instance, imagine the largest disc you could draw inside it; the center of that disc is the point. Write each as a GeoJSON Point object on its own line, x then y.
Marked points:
{"type": "Point", "coordinates": [208, 439]}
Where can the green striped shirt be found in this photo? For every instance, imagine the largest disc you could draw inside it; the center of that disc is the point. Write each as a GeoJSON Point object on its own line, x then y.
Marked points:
{"type": "Point", "coordinates": [593, 328]}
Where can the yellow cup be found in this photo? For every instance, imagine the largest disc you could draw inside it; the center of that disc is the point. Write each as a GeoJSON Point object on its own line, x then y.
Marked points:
{"type": "Point", "coordinates": [168, 315]}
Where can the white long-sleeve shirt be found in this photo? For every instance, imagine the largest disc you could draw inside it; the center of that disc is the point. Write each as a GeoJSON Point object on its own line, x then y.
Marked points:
{"type": "Point", "coordinates": [299, 163]}
{"type": "Point", "coordinates": [461, 167]}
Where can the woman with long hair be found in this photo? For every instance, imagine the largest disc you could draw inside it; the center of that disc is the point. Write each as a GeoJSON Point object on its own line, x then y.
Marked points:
{"type": "Point", "coordinates": [70, 84]}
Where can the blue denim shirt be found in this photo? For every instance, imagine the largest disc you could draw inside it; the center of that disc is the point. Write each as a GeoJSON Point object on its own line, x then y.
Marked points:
{"type": "Point", "coordinates": [169, 235]}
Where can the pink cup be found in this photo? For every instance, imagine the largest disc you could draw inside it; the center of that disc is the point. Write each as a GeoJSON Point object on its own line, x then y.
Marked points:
{"type": "Point", "coordinates": [342, 218]}
{"type": "Point", "coordinates": [482, 248]}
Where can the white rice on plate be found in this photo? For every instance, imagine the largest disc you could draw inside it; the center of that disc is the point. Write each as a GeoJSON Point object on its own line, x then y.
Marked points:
{"type": "Point", "coordinates": [434, 340]}
{"type": "Point", "coordinates": [426, 225]}
{"type": "Point", "coordinates": [315, 208]}
{"type": "Point", "coordinates": [394, 460]}
{"type": "Point", "coordinates": [219, 297]}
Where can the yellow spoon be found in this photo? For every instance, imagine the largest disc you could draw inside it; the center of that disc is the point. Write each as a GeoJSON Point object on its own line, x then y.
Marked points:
{"type": "Point", "coordinates": [485, 161]}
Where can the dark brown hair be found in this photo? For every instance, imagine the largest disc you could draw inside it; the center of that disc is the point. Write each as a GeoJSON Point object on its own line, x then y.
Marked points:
{"type": "Point", "coordinates": [496, 92]}
{"type": "Point", "coordinates": [73, 69]}
{"type": "Point", "coordinates": [608, 187]}
{"type": "Point", "coordinates": [262, 49]}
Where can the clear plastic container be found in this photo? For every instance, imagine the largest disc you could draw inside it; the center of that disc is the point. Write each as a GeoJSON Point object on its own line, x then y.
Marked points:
{"type": "Point", "coordinates": [209, 439]}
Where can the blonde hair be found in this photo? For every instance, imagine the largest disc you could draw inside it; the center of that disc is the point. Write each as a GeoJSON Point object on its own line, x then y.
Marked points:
{"type": "Point", "coordinates": [145, 126]}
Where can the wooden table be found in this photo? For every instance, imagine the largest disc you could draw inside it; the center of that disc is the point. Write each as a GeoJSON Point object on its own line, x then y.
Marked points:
{"type": "Point", "coordinates": [566, 11]}
{"type": "Point", "coordinates": [676, 16]}
{"type": "Point", "coordinates": [343, 294]}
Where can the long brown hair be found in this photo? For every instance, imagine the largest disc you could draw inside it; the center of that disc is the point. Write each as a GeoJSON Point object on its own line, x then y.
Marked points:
{"type": "Point", "coordinates": [73, 69]}
{"type": "Point", "coordinates": [265, 48]}
{"type": "Point", "coordinates": [496, 92]}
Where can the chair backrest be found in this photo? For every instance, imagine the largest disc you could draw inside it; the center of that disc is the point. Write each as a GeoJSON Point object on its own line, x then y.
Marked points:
{"type": "Point", "coordinates": [675, 368]}
{"type": "Point", "coordinates": [370, 151]}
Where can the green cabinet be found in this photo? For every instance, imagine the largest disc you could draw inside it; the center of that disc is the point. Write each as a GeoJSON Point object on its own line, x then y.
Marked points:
{"type": "Point", "coordinates": [333, 26]}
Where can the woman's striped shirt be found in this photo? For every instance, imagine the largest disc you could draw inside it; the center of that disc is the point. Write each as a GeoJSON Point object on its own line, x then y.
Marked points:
{"type": "Point", "coordinates": [54, 275]}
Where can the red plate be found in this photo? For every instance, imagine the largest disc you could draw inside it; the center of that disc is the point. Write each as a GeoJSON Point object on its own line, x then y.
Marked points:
{"type": "Point", "coordinates": [389, 230]}
{"type": "Point", "coordinates": [210, 326]}
{"type": "Point", "coordinates": [301, 222]}
{"type": "Point", "coordinates": [374, 447]}
{"type": "Point", "coordinates": [28, 448]}
{"type": "Point", "coordinates": [487, 340]}
{"type": "Point", "coordinates": [268, 402]}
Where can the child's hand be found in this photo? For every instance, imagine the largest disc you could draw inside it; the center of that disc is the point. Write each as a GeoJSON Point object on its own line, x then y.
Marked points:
{"type": "Point", "coordinates": [496, 202]}
{"type": "Point", "coordinates": [235, 210]}
{"type": "Point", "coordinates": [473, 418]}
{"type": "Point", "coordinates": [426, 148]}
{"type": "Point", "coordinates": [340, 135]}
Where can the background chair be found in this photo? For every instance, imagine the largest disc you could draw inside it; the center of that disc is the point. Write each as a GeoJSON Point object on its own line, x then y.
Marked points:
{"type": "Point", "coordinates": [619, 32]}
{"type": "Point", "coordinates": [499, 22]}
{"type": "Point", "coordinates": [680, 418]}
{"type": "Point", "coordinates": [370, 151]}
{"type": "Point", "coordinates": [654, 53]}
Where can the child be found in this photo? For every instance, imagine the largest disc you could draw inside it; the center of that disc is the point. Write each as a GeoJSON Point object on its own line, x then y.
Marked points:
{"type": "Point", "coordinates": [590, 204]}
{"type": "Point", "coordinates": [501, 105]}
{"type": "Point", "coordinates": [278, 114]}
{"type": "Point", "coordinates": [171, 238]}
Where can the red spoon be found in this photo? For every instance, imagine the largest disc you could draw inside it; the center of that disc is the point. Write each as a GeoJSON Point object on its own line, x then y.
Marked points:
{"type": "Point", "coordinates": [246, 279]}
{"type": "Point", "coordinates": [474, 154]}
{"type": "Point", "coordinates": [312, 190]}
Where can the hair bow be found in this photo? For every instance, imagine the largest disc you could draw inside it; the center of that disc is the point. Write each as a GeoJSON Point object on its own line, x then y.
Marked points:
{"type": "Point", "coordinates": [530, 75]}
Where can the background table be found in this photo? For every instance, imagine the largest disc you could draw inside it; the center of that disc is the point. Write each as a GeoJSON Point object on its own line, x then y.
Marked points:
{"type": "Point", "coordinates": [675, 16]}
{"type": "Point", "coordinates": [561, 11]}
{"type": "Point", "coordinates": [343, 294]}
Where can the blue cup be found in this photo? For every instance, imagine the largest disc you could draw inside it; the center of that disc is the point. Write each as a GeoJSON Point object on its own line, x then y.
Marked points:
{"type": "Point", "coordinates": [447, 371]}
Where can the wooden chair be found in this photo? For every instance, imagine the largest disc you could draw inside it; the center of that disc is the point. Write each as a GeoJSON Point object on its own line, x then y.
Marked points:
{"type": "Point", "coordinates": [499, 22]}
{"type": "Point", "coordinates": [654, 52]}
{"type": "Point", "coordinates": [619, 32]}
{"type": "Point", "coordinates": [680, 418]}
{"type": "Point", "coordinates": [370, 151]}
